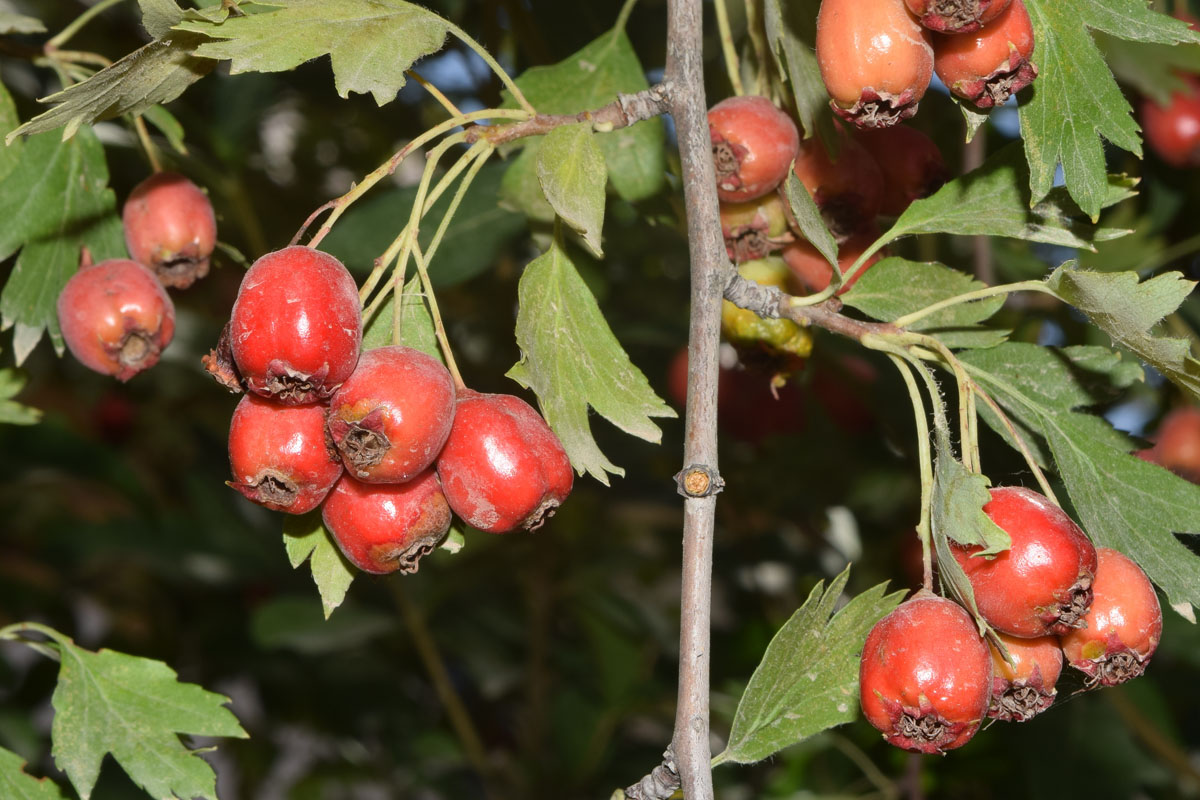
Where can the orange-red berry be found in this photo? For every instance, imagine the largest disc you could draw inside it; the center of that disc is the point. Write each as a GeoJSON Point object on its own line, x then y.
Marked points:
{"type": "Point", "coordinates": [987, 67]}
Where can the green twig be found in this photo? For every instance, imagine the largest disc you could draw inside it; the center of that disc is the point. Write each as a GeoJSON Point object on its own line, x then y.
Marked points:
{"type": "Point", "coordinates": [968, 297]}
{"type": "Point", "coordinates": [77, 24]}
{"type": "Point", "coordinates": [504, 77]}
{"type": "Point", "coordinates": [728, 49]}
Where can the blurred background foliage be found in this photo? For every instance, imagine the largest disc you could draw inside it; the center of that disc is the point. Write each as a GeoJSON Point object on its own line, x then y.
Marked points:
{"type": "Point", "coordinates": [562, 644]}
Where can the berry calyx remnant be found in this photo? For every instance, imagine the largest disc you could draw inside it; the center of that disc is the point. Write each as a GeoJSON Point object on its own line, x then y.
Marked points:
{"type": "Point", "coordinates": [753, 143]}
{"type": "Point", "coordinates": [170, 228]}
{"type": "Point", "coordinates": [753, 229]}
{"type": "Point", "coordinates": [987, 67]}
{"type": "Point", "coordinates": [955, 16]}
{"type": "Point", "coordinates": [1025, 688]}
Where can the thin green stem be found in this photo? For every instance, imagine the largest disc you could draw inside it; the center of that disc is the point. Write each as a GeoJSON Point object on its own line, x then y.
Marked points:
{"type": "Point", "coordinates": [438, 327]}
{"type": "Point", "coordinates": [758, 41]}
{"type": "Point", "coordinates": [435, 92]}
{"type": "Point", "coordinates": [16, 631]}
{"type": "Point", "coordinates": [968, 297]}
{"type": "Point", "coordinates": [968, 426]}
{"type": "Point", "coordinates": [847, 276]}
{"type": "Point", "coordinates": [504, 77]}
{"type": "Point", "coordinates": [77, 24]}
{"type": "Point", "coordinates": [623, 16]}
{"type": "Point", "coordinates": [733, 65]}
{"type": "Point", "coordinates": [871, 772]}
{"type": "Point", "coordinates": [143, 135]}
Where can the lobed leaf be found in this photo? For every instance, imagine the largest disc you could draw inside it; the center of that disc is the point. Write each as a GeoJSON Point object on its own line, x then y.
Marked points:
{"type": "Point", "coordinates": [571, 360]}
{"type": "Point", "coordinates": [12, 22]}
{"type": "Point", "coordinates": [791, 29]}
{"type": "Point", "coordinates": [571, 172]}
{"type": "Point", "coordinates": [12, 412]}
{"type": "Point", "coordinates": [305, 538]}
{"type": "Point", "coordinates": [808, 218]}
{"type": "Point", "coordinates": [16, 784]}
{"type": "Point", "coordinates": [159, 16]}
{"type": "Point", "coordinates": [807, 680]}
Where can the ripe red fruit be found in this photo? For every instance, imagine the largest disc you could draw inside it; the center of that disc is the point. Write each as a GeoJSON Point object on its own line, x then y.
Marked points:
{"type": "Point", "coordinates": [1123, 627]}
{"type": "Point", "coordinates": [926, 675]}
{"type": "Point", "coordinates": [874, 58]}
{"type": "Point", "coordinates": [280, 456]}
{"type": "Point", "coordinates": [170, 227]}
{"type": "Point", "coordinates": [847, 191]}
{"type": "Point", "coordinates": [383, 528]}
{"type": "Point", "coordinates": [988, 66]}
{"type": "Point", "coordinates": [296, 326]}
{"type": "Point", "coordinates": [391, 417]}
{"type": "Point", "coordinates": [753, 143]}
{"type": "Point", "coordinates": [910, 163]}
{"type": "Point", "coordinates": [1043, 583]}
{"type": "Point", "coordinates": [1173, 130]}
{"type": "Point", "coordinates": [1025, 688]}
{"type": "Point", "coordinates": [751, 229]}
{"type": "Point", "coordinates": [1177, 443]}
{"type": "Point", "coordinates": [811, 272]}
{"type": "Point", "coordinates": [115, 317]}
{"type": "Point", "coordinates": [502, 467]}
{"type": "Point", "coordinates": [956, 16]}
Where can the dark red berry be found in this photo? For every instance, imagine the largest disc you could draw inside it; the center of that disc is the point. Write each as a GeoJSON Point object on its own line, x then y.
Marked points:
{"type": "Point", "coordinates": [987, 67]}
{"type": "Point", "coordinates": [752, 230]}
{"type": "Point", "coordinates": [296, 326]}
{"type": "Point", "coordinates": [811, 272]}
{"type": "Point", "coordinates": [753, 143]}
{"type": "Point", "coordinates": [956, 16]}
{"type": "Point", "coordinates": [115, 317]}
{"type": "Point", "coordinates": [384, 528]}
{"type": "Point", "coordinates": [874, 58]}
{"type": "Point", "coordinates": [280, 456]}
{"type": "Point", "coordinates": [391, 417]}
{"type": "Point", "coordinates": [1025, 688]}
{"type": "Point", "coordinates": [847, 191]}
{"type": "Point", "coordinates": [1122, 629]}
{"type": "Point", "coordinates": [1043, 583]}
{"type": "Point", "coordinates": [1173, 130]}
{"type": "Point", "coordinates": [170, 227]}
{"type": "Point", "coordinates": [911, 164]}
{"type": "Point", "coordinates": [502, 467]}
{"type": "Point", "coordinates": [926, 675]}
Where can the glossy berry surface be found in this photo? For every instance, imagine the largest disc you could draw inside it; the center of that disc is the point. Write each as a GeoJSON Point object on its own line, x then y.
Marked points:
{"type": "Point", "coordinates": [987, 67]}
{"type": "Point", "coordinates": [1123, 626]}
{"type": "Point", "coordinates": [752, 229]}
{"type": "Point", "coordinates": [502, 467]}
{"type": "Point", "coordinates": [115, 317]}
{"type": "Point", "coordinates": [910, 163]}
{"type": "Point", "coordinates": [848, 191]}
{"type": "Point", "coordinates": [170, 228]}
{"type": "Point", "coordinates": [1173, 130]}
{"type": "Point", "coordinates": [955, 16]}
{"type": "Point", "coordinates": [1043, 583]}
{"type": "Point", "coordinates": [384, 528]}
{"type": "Point", "coordinates": [811, 272]}
{"type": "Point", "coordinates": [391, 417]}
{"type": "Point", "coordinates": [296, 327]}
{"type": "Point", "coordinates": [875, 60]}
{"type": "Point", "coordinates": [753, 143]}
{"type": "Point", "coordinates": [925, 679]}
{"type": "Point", "coordinates": [280, 456]}
{"type": "Point", "coordinates": [1025, 688]}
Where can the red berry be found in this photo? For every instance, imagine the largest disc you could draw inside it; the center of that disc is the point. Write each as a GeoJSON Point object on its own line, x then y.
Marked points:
{"type": "Point", "coordinates": [296, 326]}
{"type": "Point", "coordinates": [751, 229]}
{"type": "Point", "coordinates": [1123, 627]}
{"type": "Point", "coordinates": [911, 165]}
{"type": "Point", "coordinates": [115, 317]}
{"type": "Point", "coordinates": [926, 675]}
{"type": "Point", "coordinates": [811, 272]}
{"type": "Point", "coordinates": [753, 144]}
{"type": "Point", "coordinates": [956, 16]}
{"type": "Point", "coordinates": [170, 227]}
{"type": "Point", "coordinates": [1173, 130]}
{"type": "Point", "coordinates": [1043, 583]}
{"type": "Point", "coordinates": [1025, 688]}
{"type": "Point", "coordinates": [384, 528]}
{"type": "Point", "coordinates": [988, 66]}
{"type": "Point", "coordinates": [502, 467]}
{"type": "Point", "coordinates": [847, 191]}
{"type": "Point", "coordinates": [281, 456]}
{"type": "Point", "coordinates": [1177, 443]}
{"type": "Point", "coordinates": [874, 58]}
{"type": "Point", "coordinates": [391, 417]}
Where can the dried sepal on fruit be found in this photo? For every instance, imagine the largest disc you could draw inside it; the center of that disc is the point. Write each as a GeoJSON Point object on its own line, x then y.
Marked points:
{"type": "Point", "coordinates": [956, 16]}
{"type": "Point", "coordinates": [985, 68]}
{"type": "Point", "coordinates": [753, 143]}
{"type": "Point", "coordinates": [755, 228]}
{"type": "Point", "coordinates": [170, 228]}
{"type": "Point", "coordinates": [1024, 688]}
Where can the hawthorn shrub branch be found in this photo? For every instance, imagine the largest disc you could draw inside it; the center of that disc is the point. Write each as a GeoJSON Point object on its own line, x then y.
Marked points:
{"type": "Point", "coordinates": [620, 113]}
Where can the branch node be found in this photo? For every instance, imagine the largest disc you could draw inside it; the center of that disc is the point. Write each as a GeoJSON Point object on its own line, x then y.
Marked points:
{"type": "Point", "coordinates": [660, 784]}
{"type": "Point", "coordinates": [698, 480]}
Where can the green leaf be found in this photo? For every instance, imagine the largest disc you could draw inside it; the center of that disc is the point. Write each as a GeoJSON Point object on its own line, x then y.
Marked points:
{"type": "Point", "coordinates": [521, 191]}
{"type": "Point", "coordinates": [15, 784]}
{"type": "Point", "coordinates": [168, 126]}
{"type": "Point", "coordinates": [416, 324]}
{"type": "Point", "coordinates": [571, 359]}
{"type": "Point", "coordinates": [55, 201]}
{"type": "Point", "coordinates": [792, 32]}
{"type": "Point", "coordinates": [571, 171]}
{"type": "Point", "coordinates": [1075, 101]}
{"type": "Point", "coordinates": [159, 16]}
{"type": "Point", "coordinates": [895, 287]}
{"type": "Point", "coordinates": [1122, 501]}
{"type": "Point", "coordinates": [812, 226]}
{"type": "Point", "coordinates": [305, 538]}
{"type": "Point", "coordinates": [11, 22]}
{"type": "Point", "coordinates": [136, 709]}
{"type": "Point", "coordinates": [156, 73]}
{"type": "Point", "coordinates": [1128, 311]}
{"type": "Point", "coordinates": [12, 412]}
{"type": "Point", "coordinates": [370, 43]}
{"type": "Point", "coordinates": [1144, 243]}
{"type": "Point", "coordinates": [9, 156]}
{"type": "Point", "coordinates": [993, 200]}
{"type": "Point", "coordinates": [1153, 69]}
{"type": "Point", "coordinates": [807, 680]}
{"type": "Point", "coordinates": [590, 78]}
{"type": "Point", "coordinates": [293, 623]}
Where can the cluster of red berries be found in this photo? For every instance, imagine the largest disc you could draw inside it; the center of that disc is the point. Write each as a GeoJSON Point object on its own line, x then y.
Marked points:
{"type": "Point", "coordinates": [116, 317]}
{"type": "Point", "coordinates": [877, 57]}
{"type": "Point", "coordinates": [928, 679]}
{"type": "Point", "coordinates": [380, 440]}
